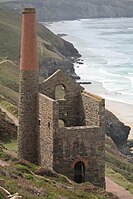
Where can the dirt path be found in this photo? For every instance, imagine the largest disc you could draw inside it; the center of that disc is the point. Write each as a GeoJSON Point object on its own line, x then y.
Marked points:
{"type": "Point", "coordinates": [12, 117]}
{"type": "Point", "coordinates": [117, 190]}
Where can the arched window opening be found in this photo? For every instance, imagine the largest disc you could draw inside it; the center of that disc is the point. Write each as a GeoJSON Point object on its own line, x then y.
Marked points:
{"type": "Point", "coordinates": [60, 92]}
{"type": "Point", "coordinates": [79, 172]}
{"type": "Point", "coordinates": [61, 123]}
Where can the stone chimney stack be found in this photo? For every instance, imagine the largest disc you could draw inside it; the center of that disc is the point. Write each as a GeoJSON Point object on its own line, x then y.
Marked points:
{"type": "Point", "coordinates": [28, 89]}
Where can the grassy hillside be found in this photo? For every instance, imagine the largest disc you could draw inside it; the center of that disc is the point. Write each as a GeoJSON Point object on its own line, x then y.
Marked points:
{"type": "Point", "coordinates": [51, 49]}
{"type": "Point", "coordinates": [33, 182]}
{"type": "Point", "coordinates": [118, 168]}
{"type": "Point", "coordinates": [50, 46]}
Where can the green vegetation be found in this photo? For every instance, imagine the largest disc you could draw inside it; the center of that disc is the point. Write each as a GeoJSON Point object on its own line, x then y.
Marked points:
{"type": "Point", "coordinates": [9, 107]}
{"type": "Point", "coordinates": [11, 145]}
{"type": "Point", "coordinates": [119, 179]}
{"type": "Point", "coordinates": [20, 177]}
{"type": "Point", "coordinates": [43, 178]}
{"type": "Point", "coordinates": [1, 196]}
{"type": "Point", "coordinates": [52, 50]}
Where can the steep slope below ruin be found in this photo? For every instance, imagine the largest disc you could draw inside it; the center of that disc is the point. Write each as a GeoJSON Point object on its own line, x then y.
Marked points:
{"type": "Point", "coordinates": [117, 131]}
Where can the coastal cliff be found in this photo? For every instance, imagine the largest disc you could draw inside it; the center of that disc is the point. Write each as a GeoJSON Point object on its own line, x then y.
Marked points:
{"type": "Point", "coordinates": [118, 132]}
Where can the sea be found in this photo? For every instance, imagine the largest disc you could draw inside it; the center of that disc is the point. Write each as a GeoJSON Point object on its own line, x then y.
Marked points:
{"type": "Point", "coordinates": [106, 47]}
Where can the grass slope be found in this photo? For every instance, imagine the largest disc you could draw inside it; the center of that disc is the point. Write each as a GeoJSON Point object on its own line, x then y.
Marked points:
{"type": "Point", "coordinates": [50, 47]}
{"type": "Point", "coordinates": [33, 182]}
{"type": "Point", "coordinates": [10, 37]}
{"type": "Point", "coordinates": [117, 166]}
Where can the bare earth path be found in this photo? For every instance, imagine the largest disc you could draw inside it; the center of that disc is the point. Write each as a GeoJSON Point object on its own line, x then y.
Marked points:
{"type": "Point", "coordinates": [117, 190]}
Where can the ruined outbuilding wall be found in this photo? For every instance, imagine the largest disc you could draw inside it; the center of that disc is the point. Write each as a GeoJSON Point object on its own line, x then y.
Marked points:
{"type": "Point", "coordinates": [82, 139]}
{"type": "Point", "coordinates": [93, 108]}
{"type": "Point", "coordinates": [69, 107]}
{"type": "Point", "coordinates": [86, 144]}
{"type": "Point", "coordinates": [48, 116]}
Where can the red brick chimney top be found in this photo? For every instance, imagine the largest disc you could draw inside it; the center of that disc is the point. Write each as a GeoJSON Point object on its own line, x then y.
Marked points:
{"type": "Point", "coordinates": [29, 52]}
{"type": "Point", "coordinates": [29, 11]}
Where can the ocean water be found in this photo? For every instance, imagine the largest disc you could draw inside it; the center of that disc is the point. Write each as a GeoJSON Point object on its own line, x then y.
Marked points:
{"type": "Point", "coordinates": [106, 46]}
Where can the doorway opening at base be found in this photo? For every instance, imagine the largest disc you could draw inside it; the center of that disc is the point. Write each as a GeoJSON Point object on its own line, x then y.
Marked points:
{"type": "Point", "coordinates": [79, 172]}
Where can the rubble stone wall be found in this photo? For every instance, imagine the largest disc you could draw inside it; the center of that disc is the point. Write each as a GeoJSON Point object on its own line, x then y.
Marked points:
{"type": "Point", "coordinates": [28, 116]}
{"type": "Point", "coordinates": [85, 144]}
{"type": "Point", "coordinates": [48, 117]}
{"type": "Point", "coordinates": [94, 110]}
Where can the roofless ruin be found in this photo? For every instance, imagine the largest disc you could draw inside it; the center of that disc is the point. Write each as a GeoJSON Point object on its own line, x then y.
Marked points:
{"type": "Point", "coordinates": [66, 135]}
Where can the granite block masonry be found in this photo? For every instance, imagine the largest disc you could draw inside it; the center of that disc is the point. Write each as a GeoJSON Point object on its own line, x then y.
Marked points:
{"type": "Point", "coordinates": [66, 134]}
{"type": "Point", "coordinates": [76, 149]}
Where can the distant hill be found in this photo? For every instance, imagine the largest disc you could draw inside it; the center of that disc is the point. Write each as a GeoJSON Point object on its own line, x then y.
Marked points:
{"type": "Point", "coordinates": [51, 10]}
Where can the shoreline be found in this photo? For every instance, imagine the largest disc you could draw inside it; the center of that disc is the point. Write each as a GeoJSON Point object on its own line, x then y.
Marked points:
{"type": "Point", "coordinates": [123, 111]}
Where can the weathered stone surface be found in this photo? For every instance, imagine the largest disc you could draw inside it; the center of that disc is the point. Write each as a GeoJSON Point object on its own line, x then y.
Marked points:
{"type": "Point", "coordinates": [28, 116]}
{"type": "Point", "coordinates": [82, 138]}
{"type": "Point", "coordinates": [28, 89]}
{"type": "Point", "coordinates": [84, 144]}
{"type": "Point", "coordinates": [77, 150]}
{"type": "Point", "coordinates": [48, 110]}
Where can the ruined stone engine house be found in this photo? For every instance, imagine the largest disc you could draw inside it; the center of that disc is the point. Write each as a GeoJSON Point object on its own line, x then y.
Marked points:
{"type": "Point", "coordinates": [67, 134]}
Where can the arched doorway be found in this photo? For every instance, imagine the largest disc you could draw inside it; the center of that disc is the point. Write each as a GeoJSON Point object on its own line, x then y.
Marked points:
{"type": "Point", "coordinates": [79, 172]}
{"type": "Point", "coordinates": [61, 123]}
{"type": "Point", "coordinates": [60, 92]}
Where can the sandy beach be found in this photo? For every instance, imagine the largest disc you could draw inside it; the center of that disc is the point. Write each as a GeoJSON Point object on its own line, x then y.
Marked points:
{"type": "Point", "coordinates": [123, 111]}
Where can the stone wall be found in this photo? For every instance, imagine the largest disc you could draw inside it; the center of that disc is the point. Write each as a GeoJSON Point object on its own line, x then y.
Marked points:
{"type": "Point", "coordinates": [48, 116]}
{"type": "Point", "coordinates": [82, 139]}
{"type": "Point", "coordinates": [28, 116]}
{"type": "Point", "coordinates": [93, 107]}
{"type": "Point", "coordinates": [69, 107]}
{"type": "Point", "coordinates": [86, 144]}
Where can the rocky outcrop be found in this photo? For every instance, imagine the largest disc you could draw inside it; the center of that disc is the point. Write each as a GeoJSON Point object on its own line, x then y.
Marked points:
{"type": "Point", "coordinates": [117, 131]}
{"type": "Point", "coordinates": [62, 54]}
{"type": "Point", "coordinates": [50, 65]}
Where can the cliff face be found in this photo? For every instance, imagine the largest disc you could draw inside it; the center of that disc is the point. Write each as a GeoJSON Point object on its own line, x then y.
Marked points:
{"type": "Point", "coordinates": [55, 53]}
{"type": "Point", "coordinates": [48, 10]}
{"type": "Point", "coordinates": [117, 131]}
